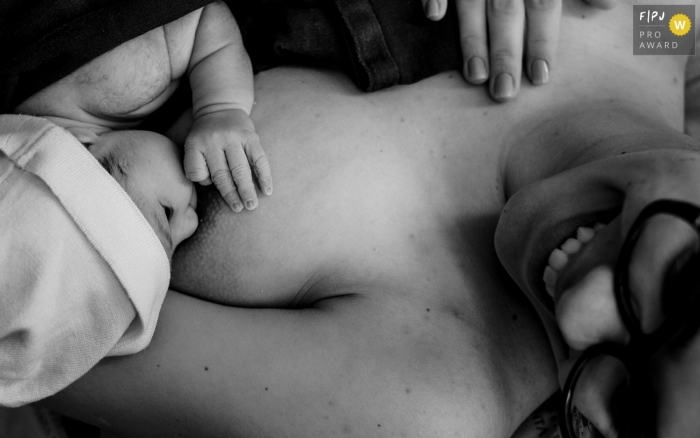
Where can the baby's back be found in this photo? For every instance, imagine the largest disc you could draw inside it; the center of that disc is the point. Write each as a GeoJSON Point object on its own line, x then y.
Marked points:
{"type": "Point", "coordinates": [121, 87]}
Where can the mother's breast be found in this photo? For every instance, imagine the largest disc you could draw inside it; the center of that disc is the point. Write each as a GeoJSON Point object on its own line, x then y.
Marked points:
{"type": "Point", "coordinates": [357, 177]}
{"type": "Point", "coordinates": [238, 258]}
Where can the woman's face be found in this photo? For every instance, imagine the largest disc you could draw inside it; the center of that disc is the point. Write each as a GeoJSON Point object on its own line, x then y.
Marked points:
{"type": "Point", "coordinates": [613, 192]}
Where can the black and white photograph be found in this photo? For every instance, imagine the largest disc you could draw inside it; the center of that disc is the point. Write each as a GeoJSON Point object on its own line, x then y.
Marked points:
{"type": "Point", "coordinates": [349, 219]}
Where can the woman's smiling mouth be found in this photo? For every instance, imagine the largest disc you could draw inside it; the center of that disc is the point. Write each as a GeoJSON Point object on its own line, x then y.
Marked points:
{"type": "Point", "coordinates": [559, 257]}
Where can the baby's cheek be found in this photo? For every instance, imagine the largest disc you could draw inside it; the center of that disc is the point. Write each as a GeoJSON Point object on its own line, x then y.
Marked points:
{"type": "Point", "coordinates": [165, 244]}
{"type": "Point", "coordinates": [186, 227]}
{"type": "Point", "coordinates": [162, 238]}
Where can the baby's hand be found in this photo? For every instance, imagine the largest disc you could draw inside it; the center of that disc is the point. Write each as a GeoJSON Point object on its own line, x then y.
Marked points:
{"type": "Point", "coordinates": [222, 147]}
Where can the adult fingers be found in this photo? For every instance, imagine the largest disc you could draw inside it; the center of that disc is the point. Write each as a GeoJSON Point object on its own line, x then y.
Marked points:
{"type": "Point", "coordinates": [221, 177]}
{"type": "Point", "coordinates": [542, 37]}
{"type": "Point", "coordinates": [434, 9]}
{"type": "Point", "coordinates": [242, 176]}
{"type": "Point", "coordinates": [259, 163]}
{"type": "Point", "coordinates": [195, 165]}
{"type": "Point", "coordinates": [506, 20]}
{"type": "Point", "coordinates": [474, 40]}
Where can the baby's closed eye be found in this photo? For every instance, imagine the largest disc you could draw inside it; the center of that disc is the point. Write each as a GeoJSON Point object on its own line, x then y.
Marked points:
{"type": "Point", "coordinates": [168, 212]}
{"type": "Point", "coordinates": [163, 226]}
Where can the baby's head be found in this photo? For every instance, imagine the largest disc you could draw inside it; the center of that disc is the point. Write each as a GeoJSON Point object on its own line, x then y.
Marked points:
{"type": "Point", "coordinates": [148, 167]}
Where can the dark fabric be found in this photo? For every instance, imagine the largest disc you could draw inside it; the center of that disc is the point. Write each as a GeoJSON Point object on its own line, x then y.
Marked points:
{"type": "Point", "coordinates": [42, 41]}
{"type": "Point", "coordinates": [420, 48]}
{"type": "Point", "coordinates": [373, 66]}
{"type": "Point", "coordinates": [379, 43]}
{"type": "Point", "coordinates": [393, 43]}
{"type": "Point", "coordinates": [78, 429]}
{"type": "Point", "coordinates": [278, 32]}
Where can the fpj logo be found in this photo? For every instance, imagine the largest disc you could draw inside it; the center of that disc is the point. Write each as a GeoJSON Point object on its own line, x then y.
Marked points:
{"type": "Point", "coordinates": [664, 29]}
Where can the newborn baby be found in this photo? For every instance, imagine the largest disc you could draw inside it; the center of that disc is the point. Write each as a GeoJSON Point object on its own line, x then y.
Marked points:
{"type": "Point", "coordinates": [119, 89]}
{"type": "Point", "coordinates": [147, 166]}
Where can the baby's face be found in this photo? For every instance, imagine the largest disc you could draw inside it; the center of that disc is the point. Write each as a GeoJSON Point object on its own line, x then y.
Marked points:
{"type": "Point", "coordinates": [148, 166]}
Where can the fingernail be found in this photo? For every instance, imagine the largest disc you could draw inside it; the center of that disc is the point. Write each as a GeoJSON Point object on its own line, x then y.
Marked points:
{"type": "Point", "coordinates": [268, 191]}
{"type": "Point", "coordinates": [432, 9]}
{"type": "Point", "coordinates": [503, 86]}
{"type": "Point", "coordinates": [250, 205]}
{"type": "Point", "coordinates": [540, 72]}
{"type": "Point", "coordinates": [237, 207]}
{"type": "Point", "coordinates": [476, 69]}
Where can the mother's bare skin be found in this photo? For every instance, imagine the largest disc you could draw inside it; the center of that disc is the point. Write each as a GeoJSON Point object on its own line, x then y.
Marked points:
{"type": "Point", "coordinates": [384, 309]}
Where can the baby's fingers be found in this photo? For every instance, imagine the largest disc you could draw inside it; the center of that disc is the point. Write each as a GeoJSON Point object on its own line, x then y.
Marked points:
{"type": "Point", "coordinates": [242, 176]}
{"type": "Point", "coordinates": [195, 165]}
{"type": "Point", "coordinates": [221, 177]}
{"type": "Point", "coordinates": [259, 163]}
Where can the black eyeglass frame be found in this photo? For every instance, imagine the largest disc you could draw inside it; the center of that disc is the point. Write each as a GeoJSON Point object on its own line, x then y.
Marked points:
{"type": "Point", "coordinates": [636, 354]}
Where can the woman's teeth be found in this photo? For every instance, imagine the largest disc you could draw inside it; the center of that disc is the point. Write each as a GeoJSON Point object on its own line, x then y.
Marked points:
{"type": "Point", "coordinates": [560, 256]}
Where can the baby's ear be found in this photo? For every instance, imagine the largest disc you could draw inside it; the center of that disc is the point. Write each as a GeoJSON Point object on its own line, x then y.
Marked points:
{"type": "Point", "coordinates": [86, 136]}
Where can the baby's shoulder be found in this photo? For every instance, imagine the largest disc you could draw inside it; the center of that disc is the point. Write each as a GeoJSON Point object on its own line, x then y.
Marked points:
{"type": "Point", "coordinates": [127, 79]}
{"type": "Point", "coordinates": [179, 38]}
{"type": "Point", "coordinates": [116, 88]}
{"type": "Point", "coordinates": [125, 84]}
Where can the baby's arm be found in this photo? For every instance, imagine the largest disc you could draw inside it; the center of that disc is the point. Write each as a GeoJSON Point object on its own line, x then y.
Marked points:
{"type": "Point", "coordinates": [223, 146]}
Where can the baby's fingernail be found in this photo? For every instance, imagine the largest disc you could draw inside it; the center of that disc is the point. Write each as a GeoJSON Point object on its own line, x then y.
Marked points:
{"type": "Point", "coordinates": [476, 69]}
{"type": "Point", "coordinates": [250, 205]}
{"type": "Point", "coordinates": [503, 86]}
{"type": "Point", "coordinates": [237, 207]}
{"type": "Point", "coordinates": [268, 191]}
{"type": "Point", "coordinates": [432, 9]}
{"type": "Point", "coordinates": [540, 72]}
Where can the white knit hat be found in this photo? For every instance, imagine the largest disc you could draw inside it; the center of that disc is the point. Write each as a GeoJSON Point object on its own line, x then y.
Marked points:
{"type": "Point", "coordinates": [82, 273]}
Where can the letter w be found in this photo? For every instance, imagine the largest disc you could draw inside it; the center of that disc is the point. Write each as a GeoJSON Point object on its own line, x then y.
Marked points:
{"type": "Point", "coordinates": [679, 24]}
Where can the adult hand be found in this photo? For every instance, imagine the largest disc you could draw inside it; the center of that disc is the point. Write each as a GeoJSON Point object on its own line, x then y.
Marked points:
{"type": "Point", "coordinates": [494, 34]}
